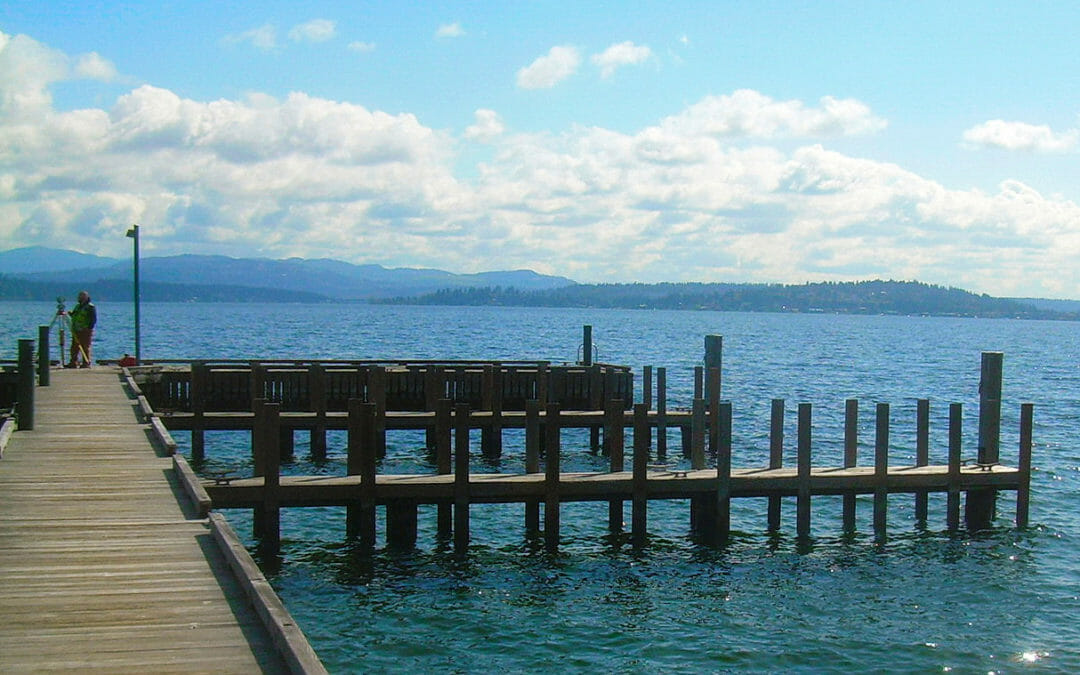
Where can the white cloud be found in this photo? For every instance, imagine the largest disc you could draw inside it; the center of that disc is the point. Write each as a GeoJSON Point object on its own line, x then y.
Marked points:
{"type": "Point", "coordinates": [362, 47]}
{"type": "Point", "coordinates": [27, 68]}
{"type": "Point", "coordinates": [548, 70]}
{"type": "Point", "coordinates": [683, 200]}
{"type": "Point", "coordinates": [450, 30]}
{"type": "Point", "coordinates": [316, 30]}
{"type": "Point", "coordinates": [750, 114]}
{"type": "Point", "coordinates": [92, 66]}
{"type": "Point", "coordinates": [487, 127]}
{"type": "Point", "coordinates": [1020, 136]}
{"type": "Point", "coordinates": [264, 37]}
{"type": "Point", "coordinates": [621, 54]}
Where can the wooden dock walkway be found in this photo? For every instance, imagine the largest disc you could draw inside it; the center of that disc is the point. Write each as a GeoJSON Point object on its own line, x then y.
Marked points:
{"type": "Point", "coordinates": [105, 566]}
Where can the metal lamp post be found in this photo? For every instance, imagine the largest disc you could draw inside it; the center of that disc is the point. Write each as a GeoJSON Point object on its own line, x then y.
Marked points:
{"type": "Point", "coordinates": [134, 234]}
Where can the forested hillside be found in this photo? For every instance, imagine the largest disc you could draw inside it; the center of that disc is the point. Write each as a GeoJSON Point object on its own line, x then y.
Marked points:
{"type": "Point", "coordinates": [856, 297]}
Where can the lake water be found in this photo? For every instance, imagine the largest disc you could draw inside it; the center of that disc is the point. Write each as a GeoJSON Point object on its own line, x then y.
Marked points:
{"type": "Point", "coordinates": [1003, 600]}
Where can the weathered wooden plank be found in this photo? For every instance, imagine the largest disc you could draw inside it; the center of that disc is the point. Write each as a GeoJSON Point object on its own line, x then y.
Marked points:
{"type": "Point", "coordinates": [104, 566]}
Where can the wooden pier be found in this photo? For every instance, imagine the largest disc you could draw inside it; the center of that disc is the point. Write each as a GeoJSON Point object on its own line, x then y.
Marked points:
{"type": "Point", "coordinates": [438, 397]}
{"type": "Point", "coordinates": [314, 395]}
{"type": "Point", "coordinates": [106, 565]}
{"type": "Point", "coordinates": [448, 400]}
{"type": "Point", "coordinates": [708, 490]}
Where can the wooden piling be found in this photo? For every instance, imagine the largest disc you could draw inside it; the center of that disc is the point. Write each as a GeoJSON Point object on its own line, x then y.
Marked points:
{"type": "Point", "coordinates": [722, 518]}
{"type": "Point", "coordinates": [922, 453]}
{"type": "Point", "coordinates": [198, 394]}
{"type": "Point", "coordinates": [639, 515]}
{"type": "Point", "coordinates": [443, 461]}
{"type": "Point", "coordinates": [487, 399]}
{"type": "Point", "coordinates": [543, 375]}
{"type": "Point", "coordinates": [776, 456]}
{"type": "Point", "coordinates": [369, 454]}
{"type": "Point", "coordinates": [697, 435]}
{"type": "Point", "coordinates": [496, 412]}
{"type": "Point", "coordinates": [661, 414]}
{"type": "Point", "coordinates": [596, 402]}
{"type": "Point", "coordinates": [714, 355]}
{"type": "Point", "coordinates": [461, 477]}
{"type": "Point", "coordinates": [43, 356]}
{"type": "Point", "coordinates": [377, 396]}
{"type": "Point", "coordinates": [434, 391]}
{"type": "Point", "coordinates": [317, 393]}
{"type": "Point", "coordinates": [646, 385]}
{"type": "Point", "coordinates": [258, 383]}
{"type": "Point", "coordinates": [553, 445]}
{"type": "Point", "coordinates": [714, 349]}
{"type": "Point", "coordinates": [881, 470]}
{"type": "Point", "coordinates": [956, 435]}
{"type": "Point", "coordinates": [532, 462]}
{"type": "Point", "coordinates": [361, 461]}
{"type": "Point", "coordinates": [401, 524]}
{"type": "Point", "coordinates": [434, 386]}
{"type": "Point", "coordinates": [259, 454]}
{"type": "Point", "coordinates": [1023, 492]}
{"type": "Point", "coordinates": [802, 518]}
{"type": "Point", "coordinates": [286, 442]}
{"type": "Point", "coordinates": [271, 537]}
{"type": "Point", "coordinates": [259, 444]}
{"type": "Point", "coordinates": [586, 346]}
{"type": "Point", "coordinates": [491, 434]}
{"type": "Point", "coordinates": [267, 520]}
{"type": "Point", "coordinates": [614, 438]}
{"type": "Point", "coordinates": [24, 404]}
{"type": "Point", "coordinates": [713, 405]}
{"type": "Point", "coordinates": [851, 456]}
{"type": "Point", "coordinates": [980, 508]}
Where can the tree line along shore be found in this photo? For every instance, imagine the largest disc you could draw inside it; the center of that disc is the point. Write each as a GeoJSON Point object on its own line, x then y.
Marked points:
{"type": "Point", "coordinates": [854, 297]}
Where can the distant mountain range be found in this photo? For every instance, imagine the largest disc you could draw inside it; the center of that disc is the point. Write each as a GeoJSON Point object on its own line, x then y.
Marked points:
{"type": "Point", "coordinates": [43, 273]}
{"type": "Point", "coordinates": [37, 273]}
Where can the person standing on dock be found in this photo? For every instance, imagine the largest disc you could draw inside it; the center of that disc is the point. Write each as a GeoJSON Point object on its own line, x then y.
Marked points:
{"type": "Point", "coordinates": [83, 320]}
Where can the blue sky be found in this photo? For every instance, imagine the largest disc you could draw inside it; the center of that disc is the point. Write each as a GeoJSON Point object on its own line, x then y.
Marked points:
{"type": "Point", "coordinates": [674, 141]}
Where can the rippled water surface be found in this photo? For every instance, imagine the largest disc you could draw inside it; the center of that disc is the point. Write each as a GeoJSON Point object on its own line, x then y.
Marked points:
{"type": "Point", "coordinates": [1005, 600]}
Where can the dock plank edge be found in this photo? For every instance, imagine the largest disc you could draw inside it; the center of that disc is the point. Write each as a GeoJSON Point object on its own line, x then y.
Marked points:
{"type": "Point", "coordinates": [192, 485]}
{"type": "Point", "coordinates": [287, 636]}
{"type": "Point", "coordinates": [6, 430]}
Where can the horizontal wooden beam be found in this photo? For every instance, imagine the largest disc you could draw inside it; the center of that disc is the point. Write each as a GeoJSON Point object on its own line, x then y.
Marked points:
{"type": "Point", "coordinates": [515, 419]}
{"type": "Point", "coordinates": [573, 487]}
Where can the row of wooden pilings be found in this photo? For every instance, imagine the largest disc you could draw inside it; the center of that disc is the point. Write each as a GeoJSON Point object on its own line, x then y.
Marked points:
{"type": "Point", "coordinates": [27, 376]}
{"type": "Point", "coordinates": [453, 429]}
{"type": "Point", "coordinates": [709, 508]}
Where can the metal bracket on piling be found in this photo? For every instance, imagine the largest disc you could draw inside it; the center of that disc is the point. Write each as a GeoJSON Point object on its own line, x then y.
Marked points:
{"type": "Point", "coordinates": [981, 466]}
{"type": "Point", "coordinates": [666, 468]}
{"type": "Point", "coordinates": [222, 477]}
